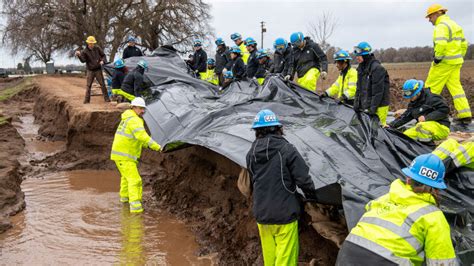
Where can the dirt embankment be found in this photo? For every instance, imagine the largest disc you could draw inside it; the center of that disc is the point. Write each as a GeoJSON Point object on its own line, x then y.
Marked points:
{"type": "Point", "coordinates": [194, 183]}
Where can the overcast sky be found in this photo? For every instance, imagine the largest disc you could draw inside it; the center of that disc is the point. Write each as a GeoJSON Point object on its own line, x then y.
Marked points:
{"type": "Point", "coordinates": [382, 23]}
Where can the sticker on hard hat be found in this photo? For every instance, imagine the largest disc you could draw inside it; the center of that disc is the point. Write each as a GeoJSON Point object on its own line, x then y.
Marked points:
{"type": "Point", "coordinates": [427, 172]}
{"type": "Point", "coordinates": [269, 118]}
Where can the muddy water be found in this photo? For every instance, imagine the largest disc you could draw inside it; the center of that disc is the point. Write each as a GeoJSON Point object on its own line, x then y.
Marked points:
{"type": "Point", "coordinates": [75, 218]}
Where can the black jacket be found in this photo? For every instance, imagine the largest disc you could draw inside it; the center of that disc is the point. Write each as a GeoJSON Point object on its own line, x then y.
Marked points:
{"type": "Point", "coordinates": [237, 66]}
{"type": "Point", "coordinates": [131, 51]}
{"type": "Point", "coordinates": [252, 64]}
{"type": "Point", "coordinates": [200, 60]}
{"type": "Point", "coordinates": [222, 58]}
{"type": "Point", "coordinates": [304, 59]}
{"type": "Point", "coordinates": [264, 68]}
{"type": "Point", "coordinates": [133, 83]}
{"type": "Point", "coordinates": [373, 86]}
{"type": "Point", "coordinates": [281, 62]}
{"type": "Point", "coordinates": [430, 105]}
{"type": "Point", "coordinates": [276, 168]}
{"type": "Point", "coordinates": [92, 58]}
{"type": "Point", "coordinates": [117, 78]}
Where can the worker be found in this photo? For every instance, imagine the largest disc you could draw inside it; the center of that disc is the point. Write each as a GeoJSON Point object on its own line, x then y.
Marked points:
{"type": "Point", "coordinates": [456, 154]}
{"type": "Point", "coordinates": [94, 58]}
{"type": "Point", "coordinates": [344, 88]}
{"type": "Point", "coordinates": [228, 79]}
{"type": "Point", "coordinates": [210, 76]}
{"type": "Point", "coordinates": [281, 57]}
{"type": "Point", "coordinates": [236, 64]}
{"type": "Point", "coordinates": [120, 71]}
{"type": "Point", "coordinates": [237, 38]}
{"type": "Point", "coordinates": [404, 226]}
{"type": "Point", "coordinates": [373, 84]}
{"type": "Point", "coordinates": [429, 110]}
{"type": "Point", "coordinates": [252, 62]}
{"type": "Point", "coordinates": [308, 61]}
{"type": "Point", "coordinates": [134, 82]}
{"type": "Point", "coordinates": [222, 58]}
{"type": "Point", "coordinates": [450, 47]}
{"type": "Point", "coordinates": [129, 139]}
{"type": "Point", "coordinates": [199, 58]}
{"type": "Point", "coordinates": [276, 169]}
{"type": "Point", "coordinates": [264, 65]}
{"type": "Point", "coordinates": [131, 50]}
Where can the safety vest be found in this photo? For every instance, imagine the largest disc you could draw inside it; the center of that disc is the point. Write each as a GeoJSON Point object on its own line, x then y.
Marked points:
{"type": "Point", "coordinates": [461, 154]}
{"type": "Point", "coordinates": [405, 228]}
{"type": "Point", "coordinates": [130, 137]}
{"type": "Point", "coordinates": [344, 85]}
{"type": "Point", "coordinates": [210, 76]}
{"type": "Point", "coordinates": [244, 52]}
{"type": "Point", "coordinates": [450, 46]}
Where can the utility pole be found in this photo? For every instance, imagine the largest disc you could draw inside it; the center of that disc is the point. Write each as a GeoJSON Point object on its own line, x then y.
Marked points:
{"type": "Point", "coordinates": [262, 23]}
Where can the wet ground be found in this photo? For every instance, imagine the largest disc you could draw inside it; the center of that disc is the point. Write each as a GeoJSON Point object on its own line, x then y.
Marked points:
{"type": "Point", "coordinates": [74, 217]}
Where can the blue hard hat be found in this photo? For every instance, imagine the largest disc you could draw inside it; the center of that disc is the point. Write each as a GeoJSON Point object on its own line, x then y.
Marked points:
{"type": "Point", "coordinates": [211, 61]}
{"type": "Point", "coordinates": [342, 55]}
{"type": "Point", "coordinates": [228, 74]}
{"type": "Point", "coordinates": [265, 118]}
{"type": "Point", "coordinates": [262, 53]}
{"type": "Point", "coordinates": [280, 43]}
{"type": "Point", "coordinates": [363, 48]}
{"type": "Point", "coordinates": [411, 88]}
{"type": "Point", "coordinates": [235, 49]}
{"type": "Point", "coordinates": [131, 39]}
{"type": "Point", "coordinates": [427, 169]}
{"type": "Point", "coordinates": [296, 37]}
{"type": "Point", "coordinates": [119, 63]}
{"type": "Point", "coordinates": [250, 41]}
{"type": "Point", "coordinates": [197, 42]}
{"type": "Point", "coordinates": [219, 41]}
{"type": "Point", "coordinates": [143, 63]}
{"type": "Point", "coordinates": [235, 36]}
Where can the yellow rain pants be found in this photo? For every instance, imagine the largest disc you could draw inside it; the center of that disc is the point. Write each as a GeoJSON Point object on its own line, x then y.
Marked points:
{"type": "Point", "coordinates": [309, 80]}
{"type": "Point", "coordinates": [427, 131]}
{"type": "Point", "coordinates": [280, 244]}
{"type": "Point", "coordinates": [382, 113]}
{"type": "Point", "coordinates": [130, 185]}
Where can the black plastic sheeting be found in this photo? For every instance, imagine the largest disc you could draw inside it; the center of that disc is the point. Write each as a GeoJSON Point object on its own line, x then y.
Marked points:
{"type": "Point", "coordinates": [351, 159]}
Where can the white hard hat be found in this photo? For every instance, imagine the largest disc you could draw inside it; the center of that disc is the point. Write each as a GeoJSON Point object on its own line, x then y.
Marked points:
{"type": "Point", "coordinates": [138, 102]}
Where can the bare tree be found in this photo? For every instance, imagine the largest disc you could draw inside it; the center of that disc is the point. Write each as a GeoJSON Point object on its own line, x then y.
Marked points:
{"type": "Point", "coordinates": [323, 29]}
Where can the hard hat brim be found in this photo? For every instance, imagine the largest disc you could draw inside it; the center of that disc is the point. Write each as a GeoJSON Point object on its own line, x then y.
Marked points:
{"type": "Point", "coordinates": [91, 41]}
{"type": "Point", "coordinates": [434, 11]}
{"type": "Point", "coordinates": [272, 124]}
{"type": "Point", "coordinates": [423, 180]}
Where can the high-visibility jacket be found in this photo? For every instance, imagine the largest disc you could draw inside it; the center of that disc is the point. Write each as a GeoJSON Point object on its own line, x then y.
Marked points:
{"type": "Point", "coordinates": [130, 137]}
{"type": "Point", "coordinates": [210, 76]}
{"type": "Point", "coordinates": [406, 228]}
{"type": "Point", "coordinates": [450, 46]}
{"type": "Point", "coordinates": [244, 52]}
{"type": "Point", "coordinates": [461, 153]}
{"type": "Point", "coordinates": [345, 84]}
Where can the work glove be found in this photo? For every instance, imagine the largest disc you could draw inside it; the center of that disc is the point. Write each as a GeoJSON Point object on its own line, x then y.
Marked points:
{"type": "Point", "coordinates": [324, 75]}
{"type": "Point", "coordinates": [287, 77]}
{"type": "Point", "coordinates": [344, 98]}
{"type": "Point", "coordinates": [436, 61]}
{"type": "Point", "coordinates": [323, 95]}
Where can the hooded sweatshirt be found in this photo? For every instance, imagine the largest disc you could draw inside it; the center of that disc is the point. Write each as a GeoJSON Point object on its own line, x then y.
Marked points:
{"type": "Point", "coordinates": [276, 168]}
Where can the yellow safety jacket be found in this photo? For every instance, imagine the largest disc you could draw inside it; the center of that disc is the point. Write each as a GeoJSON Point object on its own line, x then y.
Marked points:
{"type": "Point", "coordinates": [210, 76]}
{"type": "Point", "coordinates": [461, 154]}
{"type": "Point", "coordinates": [344, 85]}
{"type": "Point", "coordinates": [245, 53]}
{"type": "Point", "coordinates": [130, 137]}
{"type": "Point", "coordinates": [450, 46]}
{"type": "Point", "coordinates": [406, 228]}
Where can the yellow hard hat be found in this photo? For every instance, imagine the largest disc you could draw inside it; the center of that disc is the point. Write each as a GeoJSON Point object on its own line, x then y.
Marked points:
{"type": "Point", "coordinates": [435, 8]}
{"type": "Point", "coordinates": [91, 39]}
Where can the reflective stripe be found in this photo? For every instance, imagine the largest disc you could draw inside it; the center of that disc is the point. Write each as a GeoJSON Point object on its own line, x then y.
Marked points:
{"type": "Point", "coordinates": [459, 96]}
{"type": "Point", "coordinates": [137, 129]}
{"type": "Point", "coordinates": [123, 199]}
{"type": "Point", "coordinates": [124, 154]}
{"type": "Point", "coordinates": [441, 39]}
{"type": "Point", "coordinates": [449, 30]}
{"type": "Point", "coordinates": [467, 110]}
{"type": "Point", "coordinates": [378, 249]}
{"type": "Point", "coordinates": [412, 217]}
{"type": "Point", "coordinates": [444, 151]}
{"type": "Point", "coordinates": [125, 134]}
{"type": "Point", "coordinates": [150, 142]}
{"type": "Point", "coordinates": [442, 262]}
{"type": "Point", "coordinates": [336, 83]}
{"type": "Point", "coordinates": [465, 154]}
{"type": "Point", "coordinates": [449, 57]}
{"type": "Point", "coordinates": [135, 206]}
{"type": "Point", "coordinates": [459, 39]}
{"type": "Point", "coordinates": [351, 83]}
{"type": "Point", "coordinates": [403, 231]}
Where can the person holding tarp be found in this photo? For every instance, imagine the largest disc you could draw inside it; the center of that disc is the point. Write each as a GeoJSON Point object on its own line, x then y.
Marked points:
{"type": "Point", "coordinates": [404, 226]}
{"type": "Point", "coordinates": [344, 88]}
{"type": "Point", "coordinates": [456, 154]}
{"type": "Point", "coordinates": [264, 65]}
{"type": "Point", "coordinates": [129, 140]}
{"type": "Point", "coordinates": [429, 110]}
{"type": "Point", "coordinates": [276, 169]}
{"type": "Point", "coordinates": [308, 61]}
{"type": "Point", "coordinates": [199, 62]}
{"type": "Point", "coordinates": [228, 79]}
{"type": "Point", "coordinates": [134, 82]}
{"type": "Point", "coordinates": [373, 84]}
{"type": "Point", "coordinates": [222, 58]}
{"type": "Point", "coordinates": [210, 76]}
{"type": "Point", "coordinates": [236, 64]}
{"type": "Point", "coordinates": [252, 63]}
{"type": "Point", "coordinates": [281, 57]}
{"type": "Point", "coordinates": [120, 71]}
